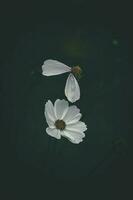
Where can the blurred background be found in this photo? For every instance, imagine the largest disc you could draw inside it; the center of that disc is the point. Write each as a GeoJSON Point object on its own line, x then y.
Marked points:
{"type": "Point", "coordinates": [97, 36]}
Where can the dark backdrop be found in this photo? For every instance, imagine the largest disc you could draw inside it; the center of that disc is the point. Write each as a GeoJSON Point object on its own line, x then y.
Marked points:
{"type": "Point", "coordinates": [96, 36]}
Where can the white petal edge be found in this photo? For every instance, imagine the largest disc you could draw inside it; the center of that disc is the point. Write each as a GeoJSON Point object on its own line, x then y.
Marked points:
{"type": "Point", "coordinates": [77, 127]}
{"type": "Point", "coordinates": [73, 115]}
{"type": "Point", "coordinates": [49, 121]}
{"type": "Point", "coordinates": [61, 108]}
{"type": "Point", "coordinates": [49, 109]}
{"type": "Point", "coordinates": [54, 67]}
{"type": "Point", "coordinates": [72, 136]}
{"type": "Point", "coordinates": [72, 90]}
{"type": "Point", "coordinates": [75, 119]}
{"type": "Point", "coordinates": [53, 132]}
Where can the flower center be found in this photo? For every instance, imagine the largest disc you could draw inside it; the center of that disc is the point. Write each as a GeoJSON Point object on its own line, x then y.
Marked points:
{"type": "Point", "coordinates": [60, 124]}
{"type": "Point", "coordinates": [77, 71]}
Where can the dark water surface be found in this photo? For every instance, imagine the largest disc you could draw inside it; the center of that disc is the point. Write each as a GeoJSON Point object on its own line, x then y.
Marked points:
{"type": "Point", "coordinates": [38, 164]}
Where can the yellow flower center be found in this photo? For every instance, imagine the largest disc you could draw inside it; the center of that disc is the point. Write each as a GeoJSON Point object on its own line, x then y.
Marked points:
{"type": "Point", "coordinates": [60, 124]}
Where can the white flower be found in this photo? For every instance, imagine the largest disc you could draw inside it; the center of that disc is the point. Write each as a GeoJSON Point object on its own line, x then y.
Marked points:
{"type": "Point", "coordinates": [53, 67]}
{"type": "Point", "coordinates": [63, 120]}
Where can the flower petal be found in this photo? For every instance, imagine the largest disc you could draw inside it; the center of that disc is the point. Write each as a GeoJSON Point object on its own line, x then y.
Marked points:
{"type": "Point", "coordinates": [72, 90]}
{"type": "Point", "coordinates": [75, 119]}
{"type": "Point", "coordinates": [54, 67]}
{"type": "Point", "coordinates": [49, 109]}
{"type": "Point", "coordinates": [78, 127]}
{"type": "Point", "coordinates": [53, 132]}
{"type": "Point", "coordinates": [73, 115]}
{"type": "Point", "coordinates": [72, 136]}
{"type": "Point", "coordinates": [49, 121]}
{"type": "Point", "coordinates": [60, 107]}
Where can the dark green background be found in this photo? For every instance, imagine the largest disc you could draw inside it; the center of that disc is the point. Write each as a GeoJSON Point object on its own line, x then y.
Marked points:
{"type": "Point", "coordinates": [96, 37]}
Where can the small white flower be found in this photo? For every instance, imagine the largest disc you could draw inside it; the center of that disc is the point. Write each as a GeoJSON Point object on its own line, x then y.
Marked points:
{"type": "Point", "coordinates": [63, 120]}
{"type": "Point", "coordinates": [54, 67]}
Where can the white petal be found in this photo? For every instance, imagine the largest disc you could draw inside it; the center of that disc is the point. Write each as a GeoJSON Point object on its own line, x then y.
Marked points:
{"type": "Point", "coordinates": [72, 136]}
{"type": "Point", "coordinates": [73, 115]}
{"type": "Point", "coordinates": [60, 107]}
{"type": "Point", "coordinates": [49, 109]}
{"type": "Point", "coordinates": [75, 119]}
{"type": "Point", "coordinates": [78, 127]}
{"type": "Point", "coordinates": [54, 67]}
{"type": "Point", "coordinates": [53, 132]}
{"type": "Point", "coordinates": [72, 90]}
{"type": "Point", "coordinates": [49, 121]}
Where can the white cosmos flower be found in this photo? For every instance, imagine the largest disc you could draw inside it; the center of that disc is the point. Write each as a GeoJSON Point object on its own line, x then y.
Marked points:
{"type": "Point", "coordinates": [63, 120]}
{"type": "Point", "coordinates": [54, 67]}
